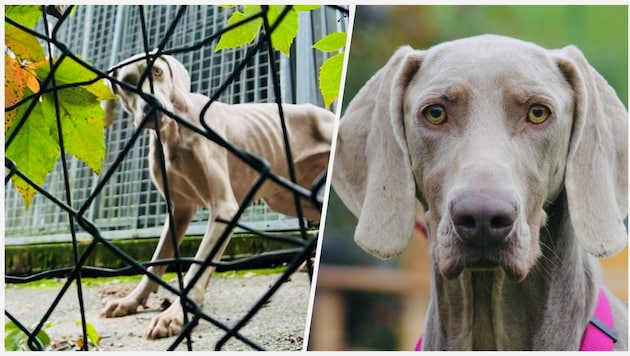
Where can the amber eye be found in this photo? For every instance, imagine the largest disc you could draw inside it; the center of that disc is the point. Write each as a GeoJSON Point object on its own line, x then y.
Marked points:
{"type": "Point", "coordinates": [157, 72]}
{"type": "Point", "coordinates": [538, 114]}
{"type": "Point", "coordinates": [435, 114]}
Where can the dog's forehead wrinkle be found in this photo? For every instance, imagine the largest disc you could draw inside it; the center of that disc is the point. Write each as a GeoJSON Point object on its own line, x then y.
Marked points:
{"type": "Point", "coordinates": [162, 63]}
{"type": "Point", "coordinates": [521, 93]}
{"type": "Point", "coordinates": [446, 88]}
{"type": "Point", "coordinates": [480, 58]}
{"type": "Point", "coordinates": [461, 85]}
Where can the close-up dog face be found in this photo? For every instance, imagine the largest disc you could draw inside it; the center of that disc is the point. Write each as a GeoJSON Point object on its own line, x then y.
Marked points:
{"type": "Point", "coordinates": [464, 120]}
{"type": "Point", "coordinates": [167, 82]}
{"type": "Point", "coordinates": [491, 161]}
{"type": "Point", "coordinates": [486, 133]}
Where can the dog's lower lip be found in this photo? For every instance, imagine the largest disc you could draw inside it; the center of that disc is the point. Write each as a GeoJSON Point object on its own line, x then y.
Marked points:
{"type": "Point", "coordinates": [484, 264]}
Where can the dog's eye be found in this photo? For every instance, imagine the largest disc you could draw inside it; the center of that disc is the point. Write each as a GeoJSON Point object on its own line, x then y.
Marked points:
{"type": "Point", "coordinates": [538, 114]}
{"type": "Point", "coordinates": [435, 114]}
{"type": "Point", "coordinates": [157, 72]}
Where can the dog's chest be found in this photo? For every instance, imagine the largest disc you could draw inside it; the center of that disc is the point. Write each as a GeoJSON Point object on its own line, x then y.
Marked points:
{"type": "Point", "coordinates": [182, 166]}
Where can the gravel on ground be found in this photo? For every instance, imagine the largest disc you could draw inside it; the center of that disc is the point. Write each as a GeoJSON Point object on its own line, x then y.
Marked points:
{"type": "Point", "coordinates": [279, 325]}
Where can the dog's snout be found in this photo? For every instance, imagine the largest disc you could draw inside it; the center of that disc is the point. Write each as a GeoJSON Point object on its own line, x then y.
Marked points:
{"type": "Point", "coordinates": [483, 220]}
{"type": "Point", "coordinates": [151, 104]}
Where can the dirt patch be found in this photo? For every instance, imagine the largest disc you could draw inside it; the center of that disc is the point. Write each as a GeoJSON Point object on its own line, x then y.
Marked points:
{"type": "Point", "coordinates": [279, 325]}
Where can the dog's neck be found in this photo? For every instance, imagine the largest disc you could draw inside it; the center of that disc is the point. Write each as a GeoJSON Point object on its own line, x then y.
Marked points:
{"type": "Point", "coordinates": [484, 310]}
{"type": "Point", "coordinates": [169, 130]}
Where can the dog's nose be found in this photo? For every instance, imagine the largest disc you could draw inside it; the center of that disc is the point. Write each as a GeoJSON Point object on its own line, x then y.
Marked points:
{"type": "Point", "coordinates": [483, 219]}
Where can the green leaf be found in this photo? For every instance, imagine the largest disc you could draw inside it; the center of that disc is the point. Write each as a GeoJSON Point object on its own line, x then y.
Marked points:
{"type": "Point", "coordinates": [330, 78]}
{"type": "Point", "coordinates": [92, 334]}
{"type": "Point", "coordinates": [25, 15]}
{"type": "Point", "coordinates": [12, 339]}
{"type": "Point", "coordinates": [34, 149]}
{"type": "Point", "coordinates": [301, 8]}
{"type": "Point", "coordinates": [81, 114]}
{"type": "Point", "coordinates": [82, 122]}
{"type": "Point", "coordinates": [9, 326]}
{"type": "Point", "coordinates": [69, 71]}
{"type": "Point", "coordinates": [332, 42]}
{"type": "Point", "coordinates": [282, 37]}
{"type": "Point", "coordinates": [243, 34]}
{"type": "Point", "coordinates": [43, 338]}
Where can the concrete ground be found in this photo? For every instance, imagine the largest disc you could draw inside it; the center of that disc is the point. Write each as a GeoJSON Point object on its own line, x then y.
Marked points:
{"type": "Point", "coordinates": [279, 325]}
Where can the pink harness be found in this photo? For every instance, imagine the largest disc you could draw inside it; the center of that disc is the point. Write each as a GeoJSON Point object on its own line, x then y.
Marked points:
{"type": "Point", "coordinates": [600, 334]}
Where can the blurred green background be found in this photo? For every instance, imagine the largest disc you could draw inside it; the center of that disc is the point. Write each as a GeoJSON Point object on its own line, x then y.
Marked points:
{"type": "Point", "coordinates": [601, 32]}
{"type": "Point", "coordinates": [372, 320]}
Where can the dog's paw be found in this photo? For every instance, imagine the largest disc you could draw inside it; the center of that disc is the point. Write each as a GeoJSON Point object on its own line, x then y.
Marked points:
{"type": "Point", "coordinates": [167, 323]}
{"type": "Point", "coordinates": [119, 307]}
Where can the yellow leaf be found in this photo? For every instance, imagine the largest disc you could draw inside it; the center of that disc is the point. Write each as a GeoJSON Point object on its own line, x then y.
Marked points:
{"type": "Point", "coordinates": [22, 44]}
{"type": "Point", "coordinates": [80, 342]}
{"type": "Point", "coordinates": [17, 79]}
{"type": "Point", "coordinates": [32, 81]}
{"type": "Point", "coordinates": [25, 190]}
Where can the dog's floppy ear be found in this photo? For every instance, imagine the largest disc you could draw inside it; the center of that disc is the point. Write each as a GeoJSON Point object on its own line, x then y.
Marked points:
{"type": "Point", "coordinates": [181, 82]}
{"type": "Point", "coordinates": [596, 178]}
{"type": "Point", "coordinates": [109, 105]}
{"type": "Point", "coordinates": [372, 168]}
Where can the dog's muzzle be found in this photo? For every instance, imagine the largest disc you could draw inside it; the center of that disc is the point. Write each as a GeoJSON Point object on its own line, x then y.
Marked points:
{"type": "Point", "coordinates": [482, 232]}
{"type": "Point", "coordinates": [152, 110]}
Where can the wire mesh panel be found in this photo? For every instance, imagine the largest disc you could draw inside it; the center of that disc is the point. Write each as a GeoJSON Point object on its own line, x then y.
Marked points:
{"type": "Point", "coordinates": [104, 35]}
{"type": "Point", "coordinates": [75, 203]}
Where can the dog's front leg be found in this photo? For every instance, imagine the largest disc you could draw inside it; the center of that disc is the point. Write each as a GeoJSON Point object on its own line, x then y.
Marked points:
{"type": "Point", "coordinates": [129, 304]}
{"type": "Point", "coordinates": [170, 321]}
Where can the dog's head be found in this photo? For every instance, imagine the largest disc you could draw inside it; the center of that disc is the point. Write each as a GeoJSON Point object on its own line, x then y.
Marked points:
{"type": "Point", "coordinates": [143, 83]}
{"type": "Point", "coordinates": [486, 132]}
